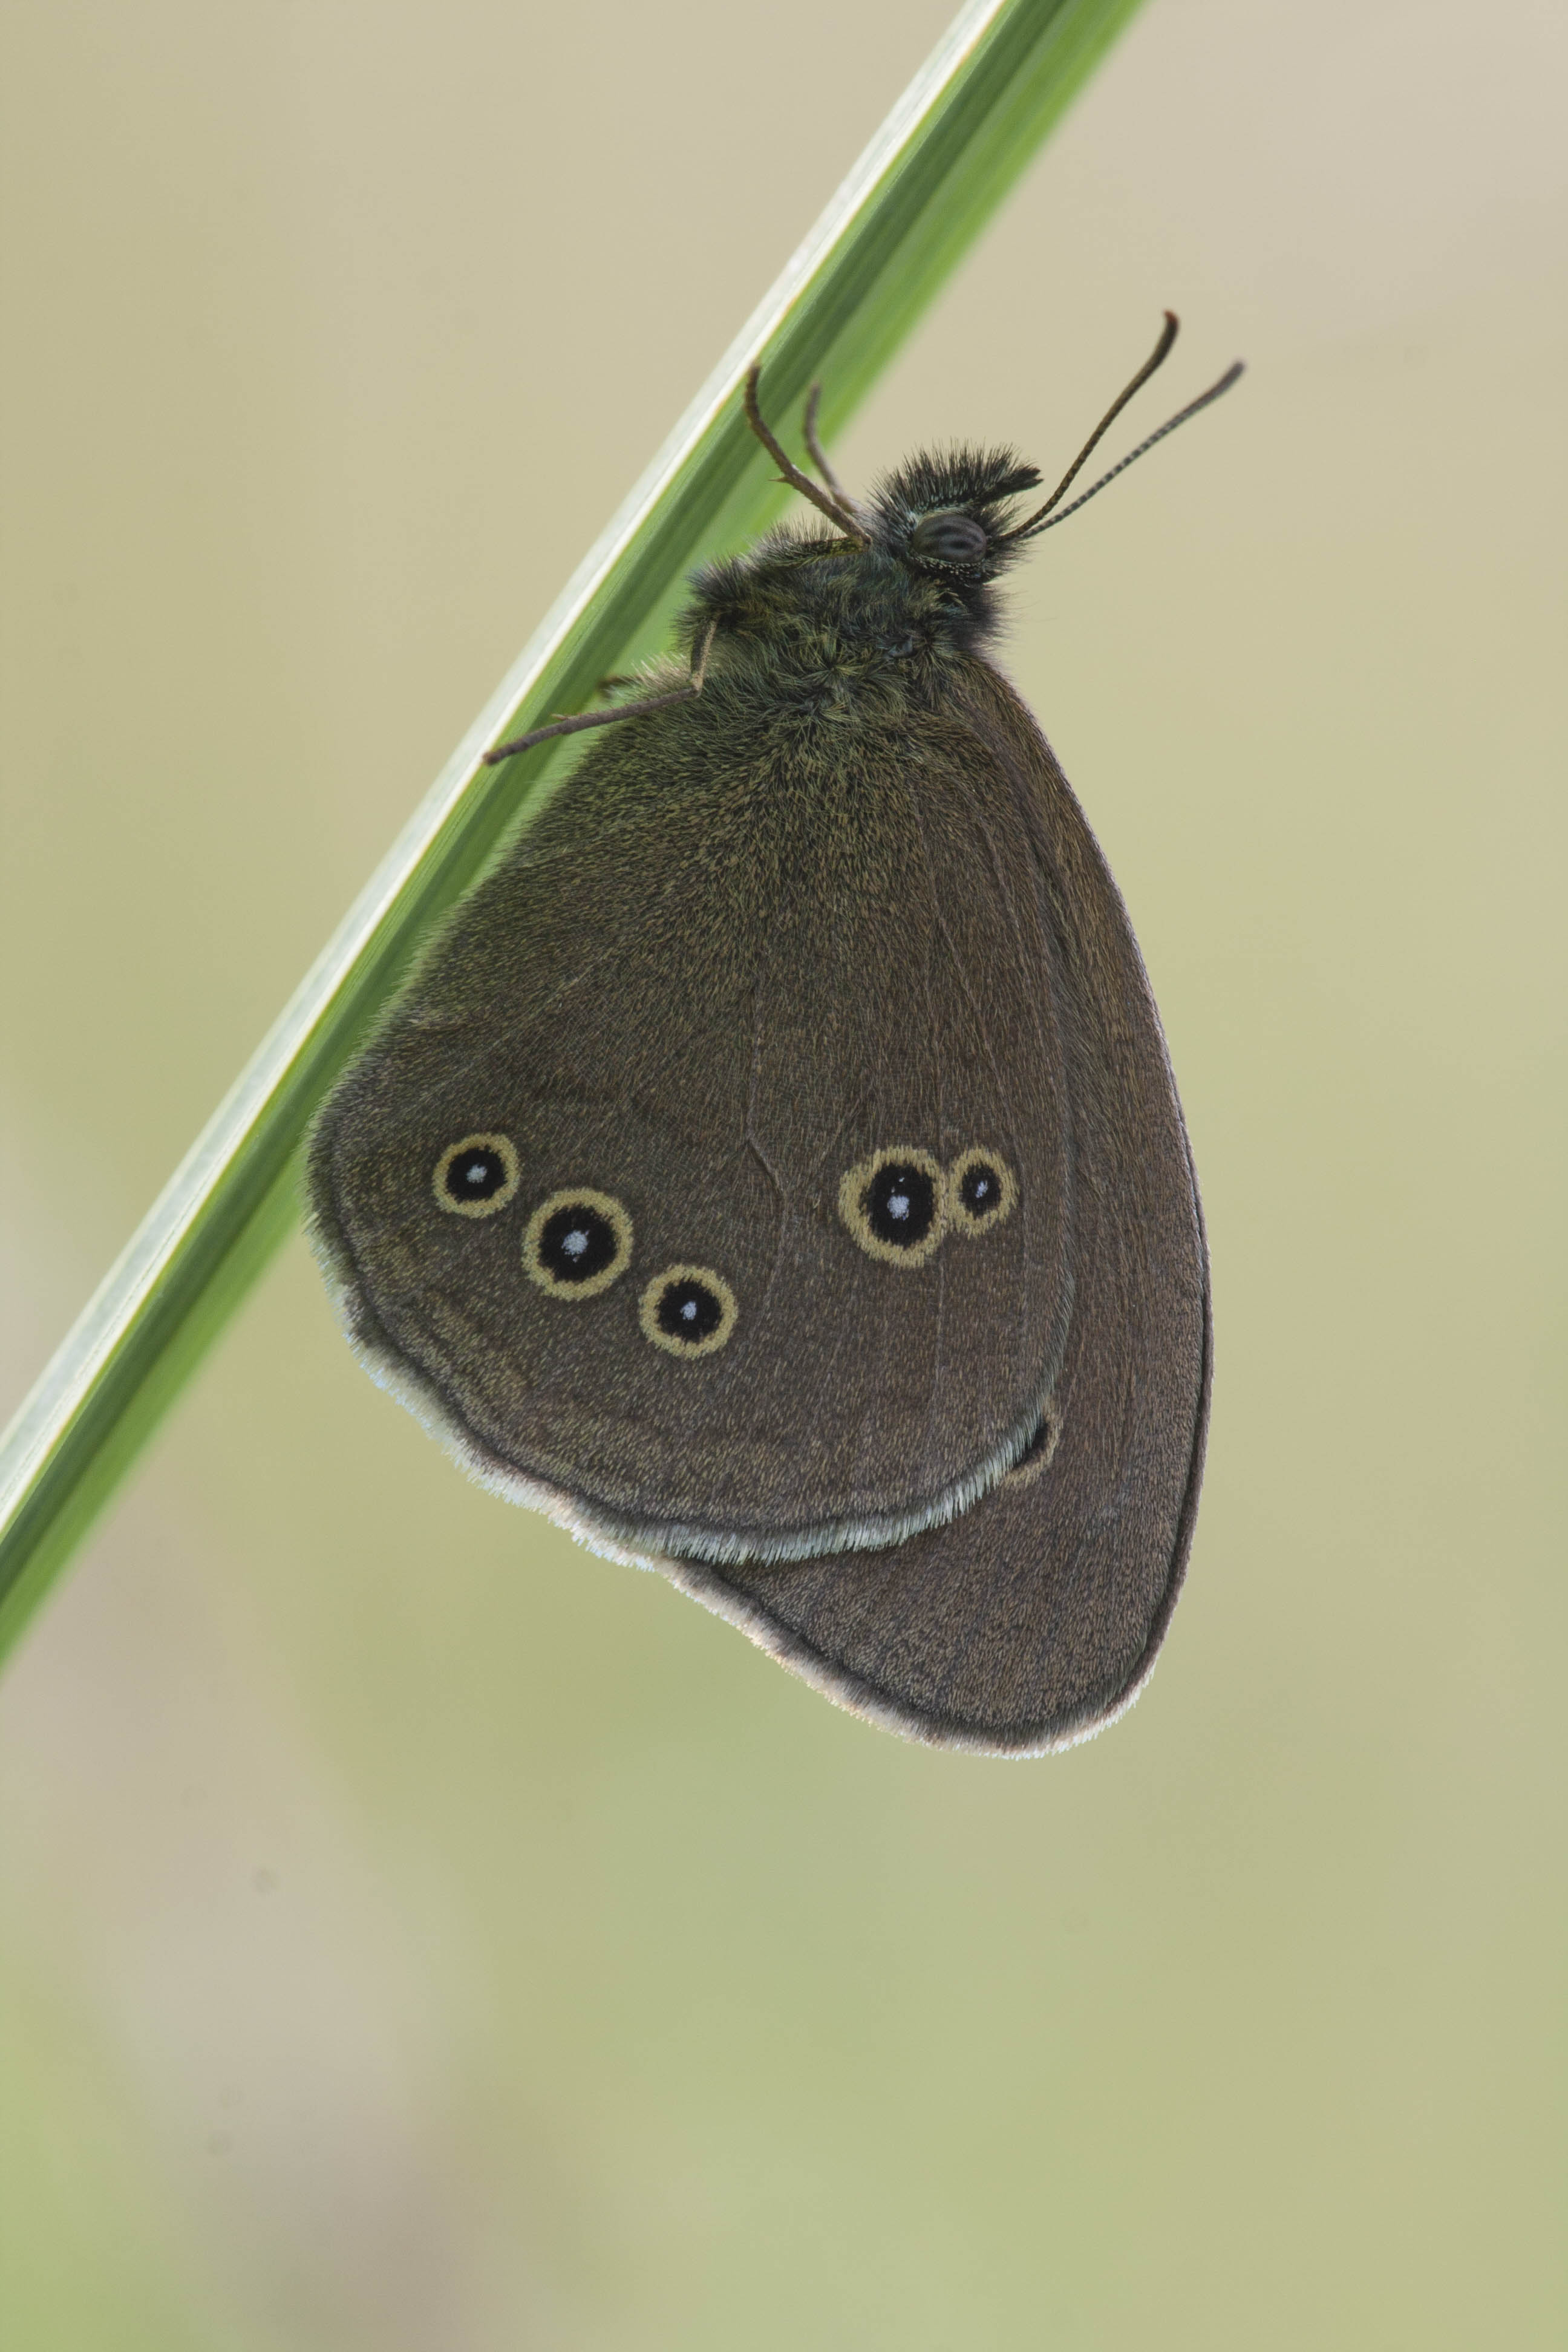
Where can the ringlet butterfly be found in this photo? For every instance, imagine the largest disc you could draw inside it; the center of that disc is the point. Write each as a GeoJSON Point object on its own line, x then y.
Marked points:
{"type": "Point", "coordinates": [773, 1171]}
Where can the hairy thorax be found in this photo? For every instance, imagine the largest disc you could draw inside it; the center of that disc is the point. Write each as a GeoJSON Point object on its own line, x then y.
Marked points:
{"type": "Point", "coordinates": [832, 633]}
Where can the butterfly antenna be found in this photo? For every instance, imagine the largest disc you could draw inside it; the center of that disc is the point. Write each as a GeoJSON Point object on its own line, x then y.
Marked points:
{"type": "Point", "coordinates": [1156, 359]}
{"type": "Point", "coordinates": [1043, 519]}
{"type": "Point", "coordinates": [831, 502]}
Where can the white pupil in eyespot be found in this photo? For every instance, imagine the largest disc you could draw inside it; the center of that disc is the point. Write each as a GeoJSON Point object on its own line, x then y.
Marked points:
{"type": "Point", "coordinates": [575, 1242]}
{"type": "Point", "coordinates": [897, 1205]}
{"type": "Point", "coordinates": [688, 1310]}
{"type": "Point", "coordinates": [478, 1171]}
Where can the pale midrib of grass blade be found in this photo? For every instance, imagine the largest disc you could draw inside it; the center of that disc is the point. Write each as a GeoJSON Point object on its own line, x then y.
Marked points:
{"type": "Point", "coordinates": [932, 177]}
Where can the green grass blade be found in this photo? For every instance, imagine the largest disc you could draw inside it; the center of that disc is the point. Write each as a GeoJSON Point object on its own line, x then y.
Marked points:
{"type": "Point", "coordinates": [932, 177]}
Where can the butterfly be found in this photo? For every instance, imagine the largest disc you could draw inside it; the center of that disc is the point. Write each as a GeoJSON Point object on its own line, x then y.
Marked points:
{"type": "Point", "coordinates": [774, 1169]}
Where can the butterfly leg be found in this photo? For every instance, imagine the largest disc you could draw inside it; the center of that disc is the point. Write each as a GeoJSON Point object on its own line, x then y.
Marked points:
{"type": "Point", "coordinates": [638, 709]}
{"type": "Point", "coordinates": [818, 455]}
{"type": "Point", "coordinates": [840, 510]}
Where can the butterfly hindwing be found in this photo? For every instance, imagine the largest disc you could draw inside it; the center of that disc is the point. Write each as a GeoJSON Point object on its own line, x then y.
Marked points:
{"type": "Point", "coordinates": [1035, 1617]}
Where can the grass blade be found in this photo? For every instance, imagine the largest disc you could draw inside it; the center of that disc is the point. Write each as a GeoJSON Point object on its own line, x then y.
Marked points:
{"type": "Point", "coordinates": [926, 185]}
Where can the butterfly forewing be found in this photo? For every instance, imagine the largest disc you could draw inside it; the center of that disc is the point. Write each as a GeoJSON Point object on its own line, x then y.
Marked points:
{"type": "Point", "coordinates": [716, 979]}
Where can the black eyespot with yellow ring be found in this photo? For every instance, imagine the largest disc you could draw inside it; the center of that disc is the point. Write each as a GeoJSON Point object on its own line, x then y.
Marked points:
{"type": "Point", "coordinates": [687, 1311]}
{"type": "Point", "coordinates": [577, 1243]}
{"type": "Point", "coordinates": [982, 1191]}
{"type": "Point", "coordinates": [894, 1204]}
{"type": "Point", "coordinates": [478, 1176]}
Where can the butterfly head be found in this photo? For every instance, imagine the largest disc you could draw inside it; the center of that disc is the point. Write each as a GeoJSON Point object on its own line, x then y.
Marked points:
{"type": "Point", "coordinates": [913, 574]}
{"type": "Point", "coordinates": [948, 515]}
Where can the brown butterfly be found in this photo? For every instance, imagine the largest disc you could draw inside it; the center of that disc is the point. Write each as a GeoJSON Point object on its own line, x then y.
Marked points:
{"type": "Point", "coordinates": [773, 1171]}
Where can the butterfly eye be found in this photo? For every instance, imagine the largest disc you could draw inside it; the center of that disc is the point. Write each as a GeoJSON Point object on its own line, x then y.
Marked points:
{"type": "Point", "coordinates": [981, 1191]}
{"type": "Point", "coordinates": [687, 1311]}
{"type": "Point", "coordinates": [477, 1177]}
{"type": "Point", "coordinates": [949, 539]}
{"type": "Point", "coordinates": [577, 1243]}
{"type": "Point", "coordinates": [893, 1204]}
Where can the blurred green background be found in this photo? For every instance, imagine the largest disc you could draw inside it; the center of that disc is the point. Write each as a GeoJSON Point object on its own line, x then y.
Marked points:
{"type": "Point", "coordinates": [420, 1935]}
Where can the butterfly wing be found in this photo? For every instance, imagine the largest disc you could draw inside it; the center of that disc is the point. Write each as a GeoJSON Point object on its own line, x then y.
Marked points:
{"type": "Point", "coordinates": [1036, 1617]}
{"type": "Point", "coordinates": [735, 966]}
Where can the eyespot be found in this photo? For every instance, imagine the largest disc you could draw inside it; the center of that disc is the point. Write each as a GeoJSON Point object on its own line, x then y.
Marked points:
{"type": "Point", "coordinates": [894, 1205]}
{"type": "Point", "coordinates": [687, 1311]}
{"type": "Point", "coordinates": [1037, 1454]}
{"type": "Point", "coordinates": [476, 1177]}
{"type": "Point", "coordinates": [577, 1243]}
{"type": "Point", "coordinates": [982, 1191]}
{"type": "Point", "coordinates": [949, 539]}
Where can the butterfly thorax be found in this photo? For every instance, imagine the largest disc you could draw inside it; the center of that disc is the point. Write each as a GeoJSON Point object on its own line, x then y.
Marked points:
{"type": "Point", "coordinates": [814, 621]}
{"type": "Point", "coordinates": [812, 628]}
